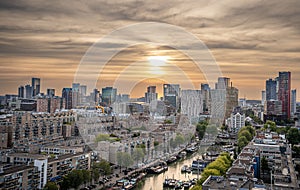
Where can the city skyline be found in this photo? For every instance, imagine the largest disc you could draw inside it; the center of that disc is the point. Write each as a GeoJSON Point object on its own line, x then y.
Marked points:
{"type": "Point", "coordinates": [251, 41]}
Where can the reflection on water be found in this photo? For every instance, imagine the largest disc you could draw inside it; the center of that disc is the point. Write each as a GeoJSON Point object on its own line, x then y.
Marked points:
{"type": "Point", "coordinates": [155, 182]}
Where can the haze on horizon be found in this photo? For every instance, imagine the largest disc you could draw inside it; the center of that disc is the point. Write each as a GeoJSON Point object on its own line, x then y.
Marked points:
{"type": "Point", "coordinates": [251, 41]}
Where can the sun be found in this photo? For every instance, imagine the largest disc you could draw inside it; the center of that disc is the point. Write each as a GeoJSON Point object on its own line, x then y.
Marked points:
{"type": "Point", "coordinates": [158, 61]}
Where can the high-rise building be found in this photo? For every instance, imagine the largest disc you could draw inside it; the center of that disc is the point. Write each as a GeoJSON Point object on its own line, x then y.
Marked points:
{"type": "Point", "coordinates": [109, 95]}
{"type": "Point", "coordinates": [21, 92]}
{"type": "Point", "coordinates": [50, 92]}
{"type": "Point", "coordinates": [205, 90]}
{"type": "Point", "coordinates": [191, 103]}
{"type": "Point", "coordinates": [28, 91]}
{"type": "Point", "coordinates": [284, 92]}
{"type": "Point", "coordinates": [271, 92]}
{"type": "Point", "coordinates": [223, 83]}
{"type": "Point", "coordinates": [263, 97]}
{"type": "Point", "coordinates": [151, 94]}
{"type": "Point", "coordinates": [36, 86]}
{"type": "Point", "coordinates": [75, 94]}
{"type": "Point", "coordinates": [82, 94]}
{"type": "Point", "coordinates": [67, 97]}
{"type": "Point", "coordinates": [293, 101]}
{"type": "Point", "coordinates": [172, 94]}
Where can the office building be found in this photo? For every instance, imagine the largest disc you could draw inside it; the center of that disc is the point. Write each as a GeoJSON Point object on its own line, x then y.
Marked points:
{"type": "Point", "coordinates": [151, 94]}
{"type": "Point", "coordinates": [75, 95]}
{"type": "Point", "coordinates": [28, 91]}
{"type": "Point", "coordinates": [205, 90]}
{"type": "Point", "coordinates": [21, 93]}
{"type": "Point", "coordinates": [67, 97]}
{"type": "Point", "coordinates": [36, 86]}
{"type": "Point", "coordinates": [263, 97]}
{"type": "Point", "coordinates": [223, 83]}
{"type": "Point", "coordinates": [191, 103]}
{"type": "Point", "coordinates": [172, 94]}
{"type": "Point", "coordinates": [284, 93]}
{"type": "Point", "coordinates": [109, 95]}
{"type": "Point", "coordinates": [271, 92]}
{"type": "Point", "coordinates": [50, 92]}
{"type": "Point", "coordinates": [293, 101]}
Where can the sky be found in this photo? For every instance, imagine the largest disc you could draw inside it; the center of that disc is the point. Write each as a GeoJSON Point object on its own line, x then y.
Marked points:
{"type": "Point", "coordinates": [250, 41]}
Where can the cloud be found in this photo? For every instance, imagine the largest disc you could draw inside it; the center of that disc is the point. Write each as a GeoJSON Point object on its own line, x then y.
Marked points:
{"type": "Point", "coordinates": [242, 35]}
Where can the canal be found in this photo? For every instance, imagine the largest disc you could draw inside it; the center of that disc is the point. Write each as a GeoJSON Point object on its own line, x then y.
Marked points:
{"type": "Point", "coordinates": [155, 182]}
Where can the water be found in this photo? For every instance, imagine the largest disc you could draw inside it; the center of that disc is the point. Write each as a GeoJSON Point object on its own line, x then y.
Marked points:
{"type": "Point", "coordinates": [155, 182]}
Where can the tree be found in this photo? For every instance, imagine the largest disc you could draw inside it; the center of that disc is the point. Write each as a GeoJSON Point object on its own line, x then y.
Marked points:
{"type": "Point", "coordinates": [245, 133]}
{"type": "Point", "coordinates": [206, 173]}
{"type": "Point", "coordinates": [50, 186]}
{"type": "Point", "coordinates": [293, 136]}
{"type": "Point", "coordinates": [200, 128]}
{"type": "Point", "coordinates": [270, 125]}
{"type": "Point", "coordinates": [242, 142]}
{"type": "Point", "coordinates": [104, 166]}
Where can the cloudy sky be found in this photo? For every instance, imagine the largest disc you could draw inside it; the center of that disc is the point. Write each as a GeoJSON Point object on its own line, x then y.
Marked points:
{"type": "Point", "coordinates": [250, 41]}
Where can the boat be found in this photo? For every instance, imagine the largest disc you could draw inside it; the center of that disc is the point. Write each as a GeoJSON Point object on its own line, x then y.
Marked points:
{"type": "Point", "coordinates": [187, 184]}
{"type": "Point", "coordinates": [172, 183]}
{"type": "Point", "coordinates": [181, 154]}
{"type": "Point", "coordinates": [199, 164]}
{"type": "Point", "coordinates": [171, 159]}
{"type": "Point", "coordinates": [186, 169]}
{"type": "Point", "coordinates": [183, 169]}
{"type": "Point", "coordinates": [178, 184]}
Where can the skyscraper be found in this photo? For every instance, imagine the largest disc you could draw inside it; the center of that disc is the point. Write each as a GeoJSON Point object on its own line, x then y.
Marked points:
{"type": "Point", "coordinates": [171, 94]}
{"type": "Point", "coordinates": [293, 101]}
{"type": "Point", "coordinates": [263, 97]}
{"type": "Point", "coordinates": [50, 92]}
{"type": "Point", "coordinates": [151, 94]}
{"type": "Point", "coordinates": [67, 97]}
{"type": "Point", "coordinates": [284, 92]}
{"type": "Point", "coordinates": [36, 86]}
{"type": "Point", "coordinates": [271, 89]}
{"type": "Point", "coordinates": [28, 91]}
{"type": "Point", "coordinates": [205, 91]}
{"type": "Point", "coordinates": [21, 92]}
{"type": "Point", "coordinates": [75, 94]}
{"type": "Point", "coordinates": [223, 83]}
{"type": "Point", "coordinates": [109, 95]}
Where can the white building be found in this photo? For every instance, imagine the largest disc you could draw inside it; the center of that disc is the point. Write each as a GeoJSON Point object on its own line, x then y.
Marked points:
{"type": "Point", "coordinates": [236, 121]}
{"type": "Point", "coordinates": [191, 103]}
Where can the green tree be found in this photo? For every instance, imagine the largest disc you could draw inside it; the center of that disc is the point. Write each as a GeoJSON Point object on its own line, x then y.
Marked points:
{"type": "Point", "coordinates": [293, 136]}
{"type": "Point", "coordinates": [242, 142]}
{"type": "Point", "coordinates": [245, 133]}
{"type": "Point", "coordinates": [201, 128]}
{"type": "Point", "coordinates": [206, 173]}
{"type": "Point", "coordinates": [270, 125]}
{"type": "Point", "coordinates": [50, 186]}
{"type": "Point", "coordinates": [104, 166]}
